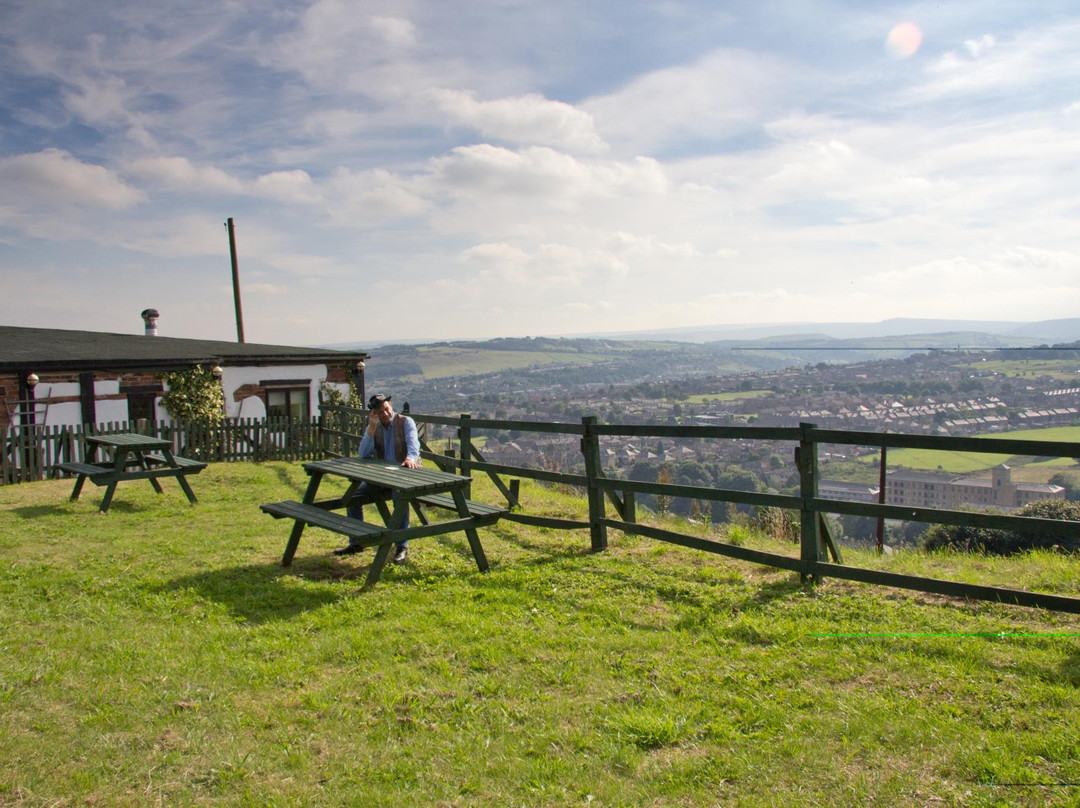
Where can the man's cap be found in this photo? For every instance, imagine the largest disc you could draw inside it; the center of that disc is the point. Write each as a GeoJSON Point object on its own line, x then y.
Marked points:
{"type": "Point", "coordinates": [377, 400]}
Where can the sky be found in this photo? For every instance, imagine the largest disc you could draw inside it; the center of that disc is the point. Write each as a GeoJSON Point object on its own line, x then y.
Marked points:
{"type": "Point", "coordinates": [437, 170]}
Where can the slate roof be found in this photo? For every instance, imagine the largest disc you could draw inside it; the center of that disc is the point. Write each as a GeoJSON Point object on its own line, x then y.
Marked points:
{"type": "Point", "coordinates": [44, 349]}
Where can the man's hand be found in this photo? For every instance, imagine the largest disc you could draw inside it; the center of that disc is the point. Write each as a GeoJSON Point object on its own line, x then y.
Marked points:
{"type": "Point", "coordinates": [411, 464]}
{"type": "Point", "coordinates": [372, 422]}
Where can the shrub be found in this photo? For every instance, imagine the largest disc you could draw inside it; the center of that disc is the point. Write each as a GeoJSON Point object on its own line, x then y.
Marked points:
{"type": "Point", "coordinates": [993, 541]}
{"type": "Point", "coordinates": [777, 522]}
{"type": "Point", "coordinates": [193, 396]}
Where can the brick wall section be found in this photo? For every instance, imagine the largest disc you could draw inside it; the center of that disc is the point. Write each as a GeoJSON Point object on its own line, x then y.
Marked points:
{"type": "Point", "coordinates": [9, 389]}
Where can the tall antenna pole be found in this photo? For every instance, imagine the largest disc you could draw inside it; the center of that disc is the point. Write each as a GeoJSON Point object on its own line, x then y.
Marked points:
{"type": "Point", "coordinates": [235, 282]}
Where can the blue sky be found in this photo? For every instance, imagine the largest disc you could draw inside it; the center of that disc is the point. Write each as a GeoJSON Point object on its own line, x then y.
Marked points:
{"type": "Point", "coordinates": [436, 170]}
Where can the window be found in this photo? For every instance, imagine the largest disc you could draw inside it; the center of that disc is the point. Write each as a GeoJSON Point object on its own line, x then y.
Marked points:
{"type": "Point", "coordinates": [288, 402]}
{"type": "Point", "coordinates": [140, 400]}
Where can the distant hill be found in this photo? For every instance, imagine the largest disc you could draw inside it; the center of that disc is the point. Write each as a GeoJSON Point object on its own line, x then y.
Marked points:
{"type": "Point", "coordinates": [1003, 333]}
{"type": "Point", "coordinates": [1023, 333]}
{"type": "Point", "coordinates": [537, 362]}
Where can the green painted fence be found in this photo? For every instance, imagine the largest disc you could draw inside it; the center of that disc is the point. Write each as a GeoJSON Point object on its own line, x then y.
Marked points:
{"type": "Point", "coordinates": [817, 557]}
{"type": "Point", "coordinates": [32, 453]}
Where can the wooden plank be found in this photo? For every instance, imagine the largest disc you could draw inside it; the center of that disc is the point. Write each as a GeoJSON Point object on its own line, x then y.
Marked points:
{"type": "Point", "coordinates": [1016, 597]}
{"type": "Point", "coordinates": [88, 469]}
{"type": "Point", "coordinates": [318, 517]}
{"type": "Point", "coordinates": [1011, 446]}
{"type": "Point", "coordinates": [475, 508]}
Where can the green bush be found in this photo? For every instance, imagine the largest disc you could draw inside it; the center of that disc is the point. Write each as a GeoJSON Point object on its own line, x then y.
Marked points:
{"type": "Point", "coordinates": [993, 541]}
{"type": "Point", "coordinates": [193, 396]}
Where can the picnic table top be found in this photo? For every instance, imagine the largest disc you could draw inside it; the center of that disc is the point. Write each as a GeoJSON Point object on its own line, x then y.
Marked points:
{"type": "Point", "coordinates": [130, 440]}
{"type": "Point", "coordinates": [388, 475]}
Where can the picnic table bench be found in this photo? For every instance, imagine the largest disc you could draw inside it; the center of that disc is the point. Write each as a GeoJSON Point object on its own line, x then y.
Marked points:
{"type": "Point", "coordinates": [134, 457]}
{"type": "Point", "coordinates": [409, 487]}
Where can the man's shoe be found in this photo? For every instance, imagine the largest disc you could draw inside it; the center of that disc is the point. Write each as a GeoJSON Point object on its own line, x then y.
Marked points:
{"type": "Point", "coordinates": [348, 549]}
{"type": "Point", "coordinates": [400, 555]}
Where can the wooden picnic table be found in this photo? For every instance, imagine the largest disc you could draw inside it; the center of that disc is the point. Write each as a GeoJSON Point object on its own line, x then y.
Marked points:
{"type": "Point", "coordinates": [133, 457]}
{"type": "Point", "coordinates": [408, 488]}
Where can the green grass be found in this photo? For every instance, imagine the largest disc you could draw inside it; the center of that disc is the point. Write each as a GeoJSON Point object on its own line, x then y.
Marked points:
{"type": "Point", "coordinates": [733, 396]}
{"type": "Point", "coordinates": [159, 655]}
{"type": "Point", "coordinates": [442, 361]}
{"type": "Point", "coordinates": [968, 462]}
{"type": "Point", "coordinates": [1065, 369]}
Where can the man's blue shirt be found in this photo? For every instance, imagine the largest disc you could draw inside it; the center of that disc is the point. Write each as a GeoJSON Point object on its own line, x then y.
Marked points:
{"type": "Point", "coordinates": [412, 442]}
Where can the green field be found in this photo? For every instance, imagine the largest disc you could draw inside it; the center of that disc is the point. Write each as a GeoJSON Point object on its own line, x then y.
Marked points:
{"type": "Point", "coordinates": [1064, 369]}
{"type": "Point", "coordinates": [736, 396]}
{"type": "Point", "coordinates": [439, 362]}
{"type": "Point", "coordinates": [972, 462]}
{"type": "Point", "coordinates": [159, 655]}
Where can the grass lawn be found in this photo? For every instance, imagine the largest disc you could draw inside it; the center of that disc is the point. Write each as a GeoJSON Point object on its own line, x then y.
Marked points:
{"type": "Point", "coordinates": [973, 462]}
{"type": "Point", "coordinates": [159, 655]}
{"type": "Point", "coordinates": [724, 397]}
{"type": "Point", "coordinates": [442, 361]}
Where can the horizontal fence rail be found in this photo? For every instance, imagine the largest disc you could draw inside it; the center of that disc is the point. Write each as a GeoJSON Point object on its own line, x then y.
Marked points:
{"type": "Point", "coordinates": [817, 555]}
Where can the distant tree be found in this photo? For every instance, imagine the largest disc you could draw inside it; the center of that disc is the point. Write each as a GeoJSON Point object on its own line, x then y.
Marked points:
{"type": "Point", "coordinates": [1068, 482]}
{"type": "Point", "coordinates": [663, 500]}
{"type": "Point", "coordinates": [860, 528]}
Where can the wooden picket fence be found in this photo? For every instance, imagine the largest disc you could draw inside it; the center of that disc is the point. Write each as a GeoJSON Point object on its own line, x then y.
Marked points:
{"type": "Point", "coordinates": [33, 452]}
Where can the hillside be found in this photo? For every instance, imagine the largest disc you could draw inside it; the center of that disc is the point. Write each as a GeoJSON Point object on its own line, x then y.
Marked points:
{"type": "Point", "coordinates": [187, 669]}
{"type": "Point", "coordinates": [611, 360]}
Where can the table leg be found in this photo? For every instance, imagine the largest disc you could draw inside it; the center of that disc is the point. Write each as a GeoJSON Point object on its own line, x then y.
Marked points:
{"type": "Point", "coordinates": [382, 552]}
{"type": "Point", "coordinates": [146, 467]}
{"type": "Point", "coordinates": [119, 462]}
{"type": "Point", "coordinates": [180, 478]}
{"type": "Point", "coordinates": [106, 500]}
{"type": "Point", "coordinates": [384, 511]}
{"type": "Point", "coordinates": [78, 487]}
{"type": "Point", "coordinates": [470, 532]}
{"type": "Point", "coordinates": [298, 527]}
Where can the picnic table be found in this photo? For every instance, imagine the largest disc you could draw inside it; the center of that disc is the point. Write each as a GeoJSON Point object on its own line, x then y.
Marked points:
{"type": "Point", "coordinates": [407, 488]}
{"type": "Point", "coordinates": [133, 457]}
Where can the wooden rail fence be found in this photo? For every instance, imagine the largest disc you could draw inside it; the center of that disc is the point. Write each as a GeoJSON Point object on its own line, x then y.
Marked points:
{"type": "Point", "coordinates": [818, 555]}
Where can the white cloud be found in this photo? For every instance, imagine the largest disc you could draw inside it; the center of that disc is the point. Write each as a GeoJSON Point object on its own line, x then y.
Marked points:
{"type": "Point", "coordinates": [979, 47]}
{"type": "Point", "coordinates": [528, 119]}
{"type": "Point", "coordinates": [180, 173]}
{"type": "Point", "coordinates": [396, 31]}
{"type": "Point", "coordinates": [1003, 67]}
{"type": "Point", "coordinates": [726, 92]}
{"type": "Point", "coordinates": [370, 198]}
{"type": "Point", "coordinates": [56, 177]}
{"type": "Point", "coordinates": [542, 174]}
{"type": "Point", "coordinates": [288, 186]}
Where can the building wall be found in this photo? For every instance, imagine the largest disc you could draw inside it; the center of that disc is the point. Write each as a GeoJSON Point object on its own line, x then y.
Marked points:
{"type": "Point", "coordinates": [999, 492]}
{"type": "Point", "coordinates": [242, 387]}
{"type": "Point", "coordinates": [245, 393]}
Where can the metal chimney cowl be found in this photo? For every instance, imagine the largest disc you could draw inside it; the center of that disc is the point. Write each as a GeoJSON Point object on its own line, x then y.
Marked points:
{"type": "Point", "coordinates": [150, 317]}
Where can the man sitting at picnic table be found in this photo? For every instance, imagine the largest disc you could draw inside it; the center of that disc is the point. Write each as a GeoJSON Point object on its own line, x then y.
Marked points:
{"type": "Point", "coordinates": [391, 437]}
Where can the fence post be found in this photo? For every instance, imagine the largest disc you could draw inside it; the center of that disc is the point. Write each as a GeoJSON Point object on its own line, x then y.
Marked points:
{"type": "Point", "coordinates": [590, 450]}
{"type": "Point", "coordinates": [812, 544]}
{"type": "Point", "coordinates": [465, 443]}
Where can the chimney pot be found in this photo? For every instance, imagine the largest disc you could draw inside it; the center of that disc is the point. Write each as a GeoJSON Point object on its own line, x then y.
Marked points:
{"type": "Point", "coordinates": [150, 317]}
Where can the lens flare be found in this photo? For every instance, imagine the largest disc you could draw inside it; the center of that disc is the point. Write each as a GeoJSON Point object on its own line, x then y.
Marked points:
{"type": "Point", "coordinates": [903, 40]}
